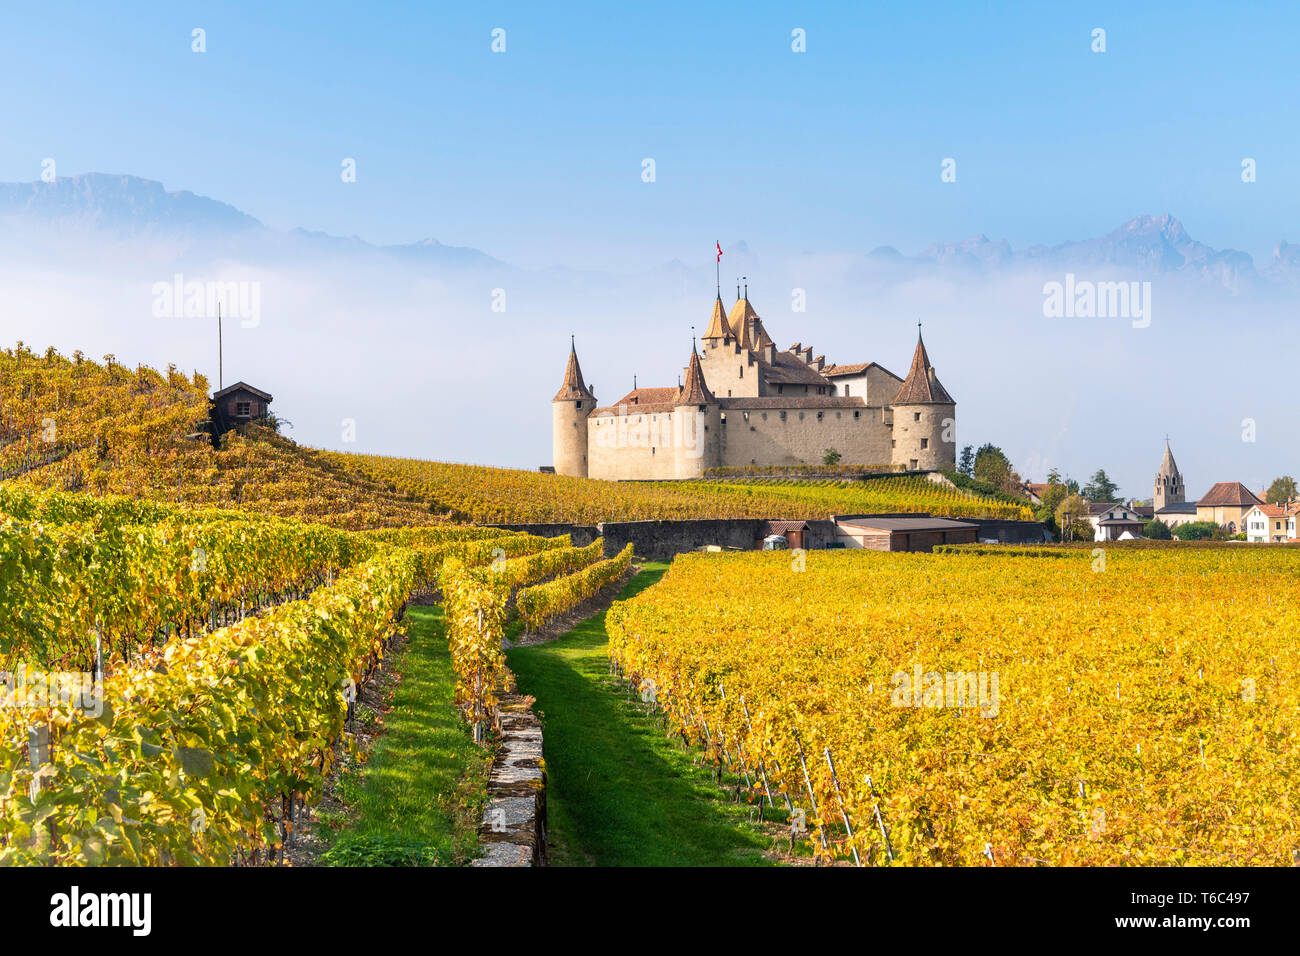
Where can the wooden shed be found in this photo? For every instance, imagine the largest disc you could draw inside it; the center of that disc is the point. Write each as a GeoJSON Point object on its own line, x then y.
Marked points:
{"type": "Point", "coordinates": [236, 404]}
{"type": "Point", "coordinates": [898, 533]}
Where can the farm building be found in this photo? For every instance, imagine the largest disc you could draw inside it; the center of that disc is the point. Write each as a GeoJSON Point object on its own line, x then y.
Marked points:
{"type": "Point", "coordinates": [903, 532]}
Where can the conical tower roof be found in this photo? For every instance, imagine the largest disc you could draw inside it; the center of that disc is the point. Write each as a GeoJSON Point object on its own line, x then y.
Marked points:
{"type": "Point", "coordinates": [694, 390]}
{"type": "Point", "coordinates": [574, 388]}
{"type": "Point", "coordinates": [922, 386]}
{"type": "Point", "coordinates": [718, 328]}
{"type": "Point", "coordinates": [739, 319]}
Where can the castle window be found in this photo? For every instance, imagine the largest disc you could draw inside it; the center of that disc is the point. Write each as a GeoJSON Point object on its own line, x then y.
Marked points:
{"type": "Point", "coordinates": [746, 415]}
{"type": "Point", "coordinates": [801, 416]}
{"type": "Point", "coordinates": [703, 408]}
{"type": "Point", "coordinates": [857, 414]}
{"type": "Point", "coordinates": [652, 451]}
{"type": "Point", "coordinates": [783, 416]}
{"type": "Point", "coordinates": [780, 390]}
{"type": "Point", "coordinates": [893, 443]}
{"type": "Point", "coordinates": [742, 371]}
{"type": "Point", "coordinates": [764, 416]}
{"type": "Point", "coordinates": [916, 416]}
{"type": "Point", "coordinates": [243, 409]}
{"type": "Point", "coordinates": [819, 416]}
{"type": "Point", "coordinates": [914, 464]}
{"type": "Point", "coordinates": [925, 443]}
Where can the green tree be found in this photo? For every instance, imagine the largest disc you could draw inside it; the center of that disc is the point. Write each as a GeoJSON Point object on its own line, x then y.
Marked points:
{"type": "Point", "coordinates": [1157, 529]}
{"type": "Point", "coordinates": [993, 467]}
{"type": "Point", "coordinates": [966, 465]}
{"type": "Point", "coordinates": [1281, 490]}
{"type": "Point", "coordinates": [832, 457]}
{"type": "Point", "coordinates": [1195, 531]}
{"type": "Point", "coordinates": [1101, 488]}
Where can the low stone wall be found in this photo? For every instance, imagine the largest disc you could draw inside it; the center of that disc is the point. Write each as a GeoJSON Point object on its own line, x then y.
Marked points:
{"type": "Point", "coordinates": [664, 540]}
{"type": "Point", "coordinates": [582, 534]}
{"type": "Point", "coordinates": [513, 830]}
{"type": "Point", "coordinates": [1011, 532]}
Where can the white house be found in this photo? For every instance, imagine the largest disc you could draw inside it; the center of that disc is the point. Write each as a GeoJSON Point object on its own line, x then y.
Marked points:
{"type": "Point", "coordinates": [1270, 523]}
{"type": "Point", "coordinates": [1115, 522]}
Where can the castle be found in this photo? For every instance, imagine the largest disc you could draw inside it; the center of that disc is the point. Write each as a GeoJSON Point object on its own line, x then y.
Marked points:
{"type": "Point", "coordinates": [742, 402]}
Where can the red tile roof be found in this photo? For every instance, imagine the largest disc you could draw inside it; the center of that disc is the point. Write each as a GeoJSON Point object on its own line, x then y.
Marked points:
{"type": "Point", "coordinates": [1228, 494]}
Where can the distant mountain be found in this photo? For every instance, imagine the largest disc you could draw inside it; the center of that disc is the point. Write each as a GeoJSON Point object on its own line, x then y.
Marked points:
{"type": "Point", "coordinates": [1146, 245]}
{"type": "Point", "coordinates": [129, 207]}
{"type": "Point", "coordinates": [126, 206]}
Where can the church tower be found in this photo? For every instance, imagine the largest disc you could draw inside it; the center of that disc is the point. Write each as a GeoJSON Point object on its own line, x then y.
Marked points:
{"type": "Point", "coordinates": [572, 404]}
{"type": "Point", "coordinates": [1169, 482]}
{"type": "Point", "coordinates": [925, 415]}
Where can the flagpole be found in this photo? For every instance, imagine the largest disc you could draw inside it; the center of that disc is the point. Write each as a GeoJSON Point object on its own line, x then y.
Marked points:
{"type": "Point", "coordinates": [717, 265]}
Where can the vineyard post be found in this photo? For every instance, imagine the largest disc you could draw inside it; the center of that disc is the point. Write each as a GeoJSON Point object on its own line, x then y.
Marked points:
{"type": "Point", "coordinates": [821, 827]}
{"type": "Point", "coordinates": [478, 686]}
{"type": "Point", "coordinates": [871, 791]}
{"type": "Point", "coordinates": [844, 814]}
{"type": "Point", "coordinates": [761, 772]}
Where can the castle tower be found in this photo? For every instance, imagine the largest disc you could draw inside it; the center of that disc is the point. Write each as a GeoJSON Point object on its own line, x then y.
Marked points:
{"type": "Point", "coordinates": [925, 416]}
{"type": "Point", "coordinates": [1169, 482]}
{"type": "Point", "coordinates": [742, 320]}
{"type": "Point", "coordinates": [569, 410]}
{"type": "Point", "coordinates": [697, 432]}
{"type": "Point", "coordinates": [718, 332]}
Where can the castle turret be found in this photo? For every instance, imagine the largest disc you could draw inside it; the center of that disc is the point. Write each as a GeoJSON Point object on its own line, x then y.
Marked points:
{"type": "Point", "coordinates": [697, 432]}
{"type": "Point", "coordinates": [1169, 482]}
{"type": "Point", "coordinates": [925, 416]}
{"type": "Point", "coordinates": [572, 404]}
{"type": "Point", "coordinates": [718, 332]}
{"type": "Point", "coordinates": [742, 320]}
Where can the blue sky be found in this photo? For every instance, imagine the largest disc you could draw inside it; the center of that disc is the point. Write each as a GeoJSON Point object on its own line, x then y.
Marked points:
{"type": "Point", "coordinates": [535, 155]}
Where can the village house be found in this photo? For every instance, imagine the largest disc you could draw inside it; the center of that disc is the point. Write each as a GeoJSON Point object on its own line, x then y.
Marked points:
{"type": "Point", "coordinates": [1266, 522]}
{"type": "Point", "coordinates": [1226, 505]}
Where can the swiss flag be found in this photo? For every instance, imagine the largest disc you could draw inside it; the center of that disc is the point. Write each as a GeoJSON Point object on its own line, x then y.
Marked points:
{"type": "Point", "coordinates": [719, 251]}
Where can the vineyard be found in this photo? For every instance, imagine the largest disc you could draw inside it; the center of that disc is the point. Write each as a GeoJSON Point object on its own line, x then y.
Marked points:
{"type": "Point", "coordinates": [188, 674]}
{"type": "Point", "coordinates": [981, 709]}
{"type": "Point", "coordinates": [498, 495]}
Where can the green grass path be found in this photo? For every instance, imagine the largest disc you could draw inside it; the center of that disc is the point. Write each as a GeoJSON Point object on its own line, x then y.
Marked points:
{"type": "Point", "coordinates": [418, 799]}
{"type": "Point", "coordinates": [618, 792]}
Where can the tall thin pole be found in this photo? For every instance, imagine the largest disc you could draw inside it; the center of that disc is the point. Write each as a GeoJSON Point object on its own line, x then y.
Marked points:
{"type": "Point", "coordinates": [717, 265]}
{"type": "Point", "coordinates": [220, 357]}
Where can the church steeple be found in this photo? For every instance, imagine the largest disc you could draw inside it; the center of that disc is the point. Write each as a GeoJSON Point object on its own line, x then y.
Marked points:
{"type": "Point", "coordinates": [1169, 482]}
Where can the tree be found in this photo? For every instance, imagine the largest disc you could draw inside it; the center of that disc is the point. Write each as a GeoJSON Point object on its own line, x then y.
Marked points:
{"type": "Point", "coordinates": [1157, 529]}
{"type": "Point", "coordinates": [994, 468]}
{"type": "Point", "coordinates": [1281, 490]}
{"type": "Point", "coordinates": [1072, 516]}
{"type": "Point", "coordinates": [832, 457]}
{"type": "Point", "coordinates": [1054, 476]}
{"type": "Point", "coordinates": [967, 464]}
{"type": "Point", "coordinates": [1195, 531]}
{"type": "Point", "coordinates": [1053, 495]}
{"type": "Point", "coordinates": [1100, 487]}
